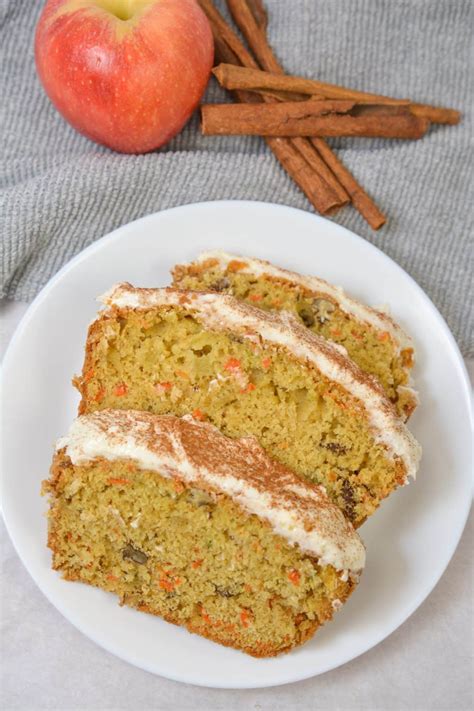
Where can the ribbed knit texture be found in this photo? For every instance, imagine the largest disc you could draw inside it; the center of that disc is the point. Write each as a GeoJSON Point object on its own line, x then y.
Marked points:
{"type": "Point", "coordinates": [59, 192]}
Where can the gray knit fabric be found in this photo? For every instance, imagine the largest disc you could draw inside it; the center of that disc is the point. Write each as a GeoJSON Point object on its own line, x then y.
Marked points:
{"type": "Point", "coordinates": [59, 192]}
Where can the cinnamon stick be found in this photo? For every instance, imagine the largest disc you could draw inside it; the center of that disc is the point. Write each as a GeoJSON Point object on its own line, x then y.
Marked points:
{"type": "Point", "coordinates": [226, 35]}
{"type": "Point", "coordinates": [312, 118]}
{"type": "Point", "coordinates": [319, 167]}
{"type": "Point", "coordinates": [312, 175]}
{"type": "Point", "coordinates": [361, 201]}
{"type": "Point", "coordinates": [436, 114]}
{"type": "Point", "coordinates": [256, 38]}
{"type": "Point", "coordinates": [257, 8]}
{"type": "Point", "coordinates": [260, 81]}
{"type": "Point", "coordinates": [254, 34]}
{"type": "Point", "coordinates": [297, 156]}
{"type": "Point", "coordinates": [307, 169]}
{"type": "Point", "coordinates": [285, 95]}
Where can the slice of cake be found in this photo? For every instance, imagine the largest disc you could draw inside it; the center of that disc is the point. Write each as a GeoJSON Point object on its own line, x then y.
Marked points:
{"type": "Point", "coordinates": [202, 530]}
{"type": "Point", "coordinates": [372, 339]}
{"type": "Point", "coordinates": [250, 372]}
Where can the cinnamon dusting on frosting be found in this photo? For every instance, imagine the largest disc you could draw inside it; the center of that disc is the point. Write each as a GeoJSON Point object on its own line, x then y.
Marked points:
{"type": "Point", "coordinates": [378, 318]}
{"type": "Point", "coordinates": [223, 312]}
{"type": "Point", "coordinates": [198, 453]}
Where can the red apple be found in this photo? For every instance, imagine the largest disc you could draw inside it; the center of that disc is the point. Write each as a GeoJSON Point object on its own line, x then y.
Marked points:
{"type": "Point", "coordinates": [126, 73]}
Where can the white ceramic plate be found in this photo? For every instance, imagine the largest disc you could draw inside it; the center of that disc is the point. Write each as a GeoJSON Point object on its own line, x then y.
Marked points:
{"type": "Point", "coordinates": [409, 541]}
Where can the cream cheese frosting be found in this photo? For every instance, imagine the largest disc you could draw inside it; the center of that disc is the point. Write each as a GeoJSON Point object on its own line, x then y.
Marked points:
{"type": "Point", "coordinates": [377, 318]}
{"type": "Point", "coordinates": [222, 312]}
{"type": "Point", "coordinates": [197, 453]}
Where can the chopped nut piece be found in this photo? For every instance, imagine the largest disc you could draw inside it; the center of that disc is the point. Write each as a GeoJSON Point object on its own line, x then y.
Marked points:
{"type": "Point", "coordinates": [323, 309]}
{"type": "Point", "coordinates": [200, 497]}
{"type": "Point", "coordinates": [335, 447]}
{"type": "Point", "coordinates": [347, 493]}
{"type": "Point", "coordinates": [135, 554]}
{"type": "Point", "coordinates": [220, 284]}
{"type": "Point", "coordinates": [307, 316]}
{"type": "Point", "coordinates": [225, 592]}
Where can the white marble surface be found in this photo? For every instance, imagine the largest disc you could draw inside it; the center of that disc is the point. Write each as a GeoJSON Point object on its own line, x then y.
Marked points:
{"type": "Point", "coordinates": [426, 665]}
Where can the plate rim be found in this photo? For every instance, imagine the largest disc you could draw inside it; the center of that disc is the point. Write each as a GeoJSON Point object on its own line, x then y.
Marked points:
{"type": "Point", "coordinates": [464, 379]}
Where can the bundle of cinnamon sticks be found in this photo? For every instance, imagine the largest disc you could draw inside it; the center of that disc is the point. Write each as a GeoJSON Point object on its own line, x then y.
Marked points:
{"type": "Point", "coordinates": [295, 114]}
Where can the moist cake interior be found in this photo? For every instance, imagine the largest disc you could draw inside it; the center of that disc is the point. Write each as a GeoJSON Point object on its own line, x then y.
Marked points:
{"type": "Point", "coordinates": [373, 350]}
{"type": "Point", "coordinates": [164, 361]}
{"type": "Point", "coordinates": [189, 555]}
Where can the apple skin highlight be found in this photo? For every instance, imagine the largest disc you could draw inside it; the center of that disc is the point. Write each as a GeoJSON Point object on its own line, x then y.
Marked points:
{"type": "Point", "coordinates": [130, 84]}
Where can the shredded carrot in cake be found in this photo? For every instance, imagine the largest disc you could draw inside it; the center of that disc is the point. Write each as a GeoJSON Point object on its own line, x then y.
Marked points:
{"type": "Point", "coordinates": [167, 581]}
{"type": "Point", "coordinates": [120, 389]}
{"type": "Point", "coordinates": [246, 618]}
{"type": "Point", "coordinates": [205, 616]}
{"type": "Point", "coordinates": [236, 266]}
{"type": "Point", "coordinates": [232, 364]}
{"type": "Point", "coordinates": [166, 385]}
{"type": "Point", "coordinates": [118, 481]}
{"type": "Point", "coordinates": [99, 396]}
{"type": "Point", "coordinates": [294, 576]}
{"type": "Point", "coordinates": [166, 584]}
{"type": "Point", "coordinates": [334, 398]}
